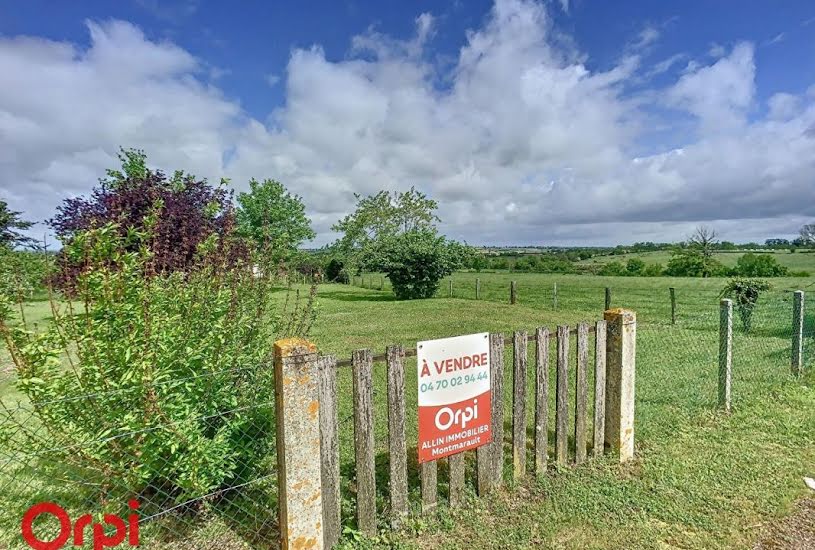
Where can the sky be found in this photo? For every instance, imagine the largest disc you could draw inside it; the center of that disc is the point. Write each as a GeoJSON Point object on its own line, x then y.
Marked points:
{"type": "Point", "coordinates": [561, 122]}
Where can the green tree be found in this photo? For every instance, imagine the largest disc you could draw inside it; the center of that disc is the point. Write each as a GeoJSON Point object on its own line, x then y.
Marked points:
{"type": "Point", "coordinates": [396, 233]}
{"type": "Point", "coordinates": [653, 270]}
{"type": "Point", "coordinates": [274, 219]}
{"type": "Point", "coordinates": [11, 224]}
{"type": "Point", "coordinates": [416, 261]}
{"type": "Point", "coordinates": [760, 265]}
{"type": "Point", "coordinates": [690, 262]}
{"type": "Point", "coordinates": [380, 216]}
{"type": "Point", "coordinates": [635, 267]}
{"type": "Point", "coordinates": [612, 269]}
{"type": "Point", "coordinates": [704, 242]}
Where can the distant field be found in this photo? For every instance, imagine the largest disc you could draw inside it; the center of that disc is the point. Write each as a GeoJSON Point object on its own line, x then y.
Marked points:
{"type": "Point", "coordinates": [797, 261]}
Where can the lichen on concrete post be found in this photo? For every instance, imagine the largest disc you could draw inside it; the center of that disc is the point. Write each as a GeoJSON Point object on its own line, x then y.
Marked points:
{"type": "Point", "coordinates": [621, 349]}
{"type": "Point", "coordinates": [298, 444]}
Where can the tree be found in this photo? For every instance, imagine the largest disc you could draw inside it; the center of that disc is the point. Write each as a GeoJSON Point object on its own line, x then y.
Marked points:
{"type": "Point", "coordinates": [807, 235]}
{"type": "Point", "coordinates": [416, 260]}
{"type": "Point", "coordinates": [380, 216]}
{"type": "Point", "coordinates": [613, 269]}
{"type": "Point", "coordinates": [635, 267]}
{"type": "Point", "coordinates": [704, 241]}
{"type": "Point", "coordinates": [10, 226]}
{"type": "Point", "coordinates": [759, 265]}
{"type": "Point", "coordinates": [395, 233]}
{"type": "Point", "coordinates": [181, 214]}
{"type": "Point", "coordinates": [689, 262]}
{"type": "Point", "coordinates": [274, 219]}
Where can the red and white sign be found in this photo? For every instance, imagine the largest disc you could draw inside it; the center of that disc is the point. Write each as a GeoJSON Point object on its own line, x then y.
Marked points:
{"type": "Point", "coordinates": [454, 395]}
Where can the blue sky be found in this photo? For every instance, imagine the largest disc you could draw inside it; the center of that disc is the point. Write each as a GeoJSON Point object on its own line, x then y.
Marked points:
{"type": "Point", "coordinates": [562, 108]}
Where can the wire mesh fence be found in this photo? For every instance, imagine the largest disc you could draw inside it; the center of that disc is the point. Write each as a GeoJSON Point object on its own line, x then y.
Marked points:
{"type": "Point", "coordinates": [201, 479]}
{"type": "Point", "coordinates": [678, 320]}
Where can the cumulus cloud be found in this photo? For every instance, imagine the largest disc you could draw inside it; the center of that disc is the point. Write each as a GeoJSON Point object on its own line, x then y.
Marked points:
{"type": "Point", "coordinates": [519, 141]}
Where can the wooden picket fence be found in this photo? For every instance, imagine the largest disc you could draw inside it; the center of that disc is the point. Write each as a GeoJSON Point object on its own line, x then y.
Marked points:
{"type": "Point", "coordinates": [489, 458]}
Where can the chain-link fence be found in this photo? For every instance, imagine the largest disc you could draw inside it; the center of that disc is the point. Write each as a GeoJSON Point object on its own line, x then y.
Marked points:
{"type": "Point", "coordinates": [200, 480]}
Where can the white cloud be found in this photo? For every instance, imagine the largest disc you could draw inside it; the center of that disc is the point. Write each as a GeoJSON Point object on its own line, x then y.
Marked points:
{"type": "Point", "coordinates": [523, 143]}
{"type": "Point", "coordinates": [719, 94]}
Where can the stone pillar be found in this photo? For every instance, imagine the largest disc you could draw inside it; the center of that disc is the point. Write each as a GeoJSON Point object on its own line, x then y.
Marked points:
{"type": "Point", "coordinates": [798, 333]}
{"type": "Point", "coordinates": [298, 444]}
{"type": "Point", "coordinates": [725, 353]}
{"type": "Point", "coordinates": [621, 349]}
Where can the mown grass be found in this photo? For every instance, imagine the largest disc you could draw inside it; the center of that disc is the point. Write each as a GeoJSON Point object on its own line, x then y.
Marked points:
{"type": "Point", "coordinates": [702, 479]}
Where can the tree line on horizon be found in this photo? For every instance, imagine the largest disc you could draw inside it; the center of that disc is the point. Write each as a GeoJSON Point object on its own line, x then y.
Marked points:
{"type": "Point", "coordinates": [390, 232]}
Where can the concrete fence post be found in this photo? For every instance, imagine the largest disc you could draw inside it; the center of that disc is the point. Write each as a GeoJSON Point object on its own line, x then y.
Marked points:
{"type": "Point", "coordinates": [725, 353]}
{"type": "Point", "coordinates": [478, 289]}
{"type": "Point", "coordinates": [798, 333]}
{"type": "Point", "coordinates": [621, 351]}
{"type": "Point", "coordinates": [554, 296]}
{"type": "Point", "coordinates": [513, 289]}
{"type": "Point", "coordinates": [608, 299]}
{"type": "Point", "coordinates": [299, 476]}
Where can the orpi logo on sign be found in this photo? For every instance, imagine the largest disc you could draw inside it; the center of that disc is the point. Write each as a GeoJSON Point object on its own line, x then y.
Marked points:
{"type": "Point", "coordinates": [454, 395]}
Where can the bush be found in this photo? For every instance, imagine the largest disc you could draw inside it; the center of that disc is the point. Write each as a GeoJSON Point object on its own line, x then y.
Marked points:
{"type": "Point", "coordinates": [692, 263]}
{"type": "Point", "coordinates": [759, 265]}
{"type": "Point", "coordinates": [179, 213]}
{"type": "Point", "coordinates": [613, 269]}
{"type": "Point", "coordinates": [745, 293]}
{"type": "Point", "coordinates": [22, 273]}
{"type": "Point", "coordinates": [416, 261]}
{"type": "Point", "coordinates": [335, 271]}
{"type": "Point", "coordinates": [653, 270]}
{"type": "Point", "coordinates": [635, 267]}
{"type": "Point", "coordinates": [162, 391]}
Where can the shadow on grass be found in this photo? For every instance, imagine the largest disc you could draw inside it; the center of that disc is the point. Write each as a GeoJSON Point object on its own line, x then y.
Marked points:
{"type": "Point", "coordinates": [344, 296]}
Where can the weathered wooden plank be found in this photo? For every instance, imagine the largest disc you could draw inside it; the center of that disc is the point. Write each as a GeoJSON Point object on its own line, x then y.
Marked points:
{"type": "Point", "coordinates": [541, 399]}
{"type": "Point", "coordinates": [329, 449]}
{"type": "Point", "coordinates": [519, 405]}
{"type": "Point", "coordinates": [364, 441]}
{"type": "Point", "coordinates": [562, 396]}
{"type": "Point", "coordinates": [396, 433]}
{"type": "Point", "coordinates": [497, 406]}
{"type": "Point", "coordinates": [599, 387]}
{"type": "Point", "coordinates": [581, 398]}
{"type": "Point", "coordinates": [484, 462]}
{"type": "Point", "coordinates": [430, 486]}
{"type": "Point", "coordinates": [456, 466]}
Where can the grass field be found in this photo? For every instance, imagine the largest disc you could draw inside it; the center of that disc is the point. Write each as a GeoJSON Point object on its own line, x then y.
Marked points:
{"type": "Point", "coordinates": [702, 479]}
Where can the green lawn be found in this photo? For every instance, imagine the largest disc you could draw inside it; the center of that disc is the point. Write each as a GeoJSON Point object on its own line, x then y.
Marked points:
{"type": "Point", "coordinates": [702, 479]}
